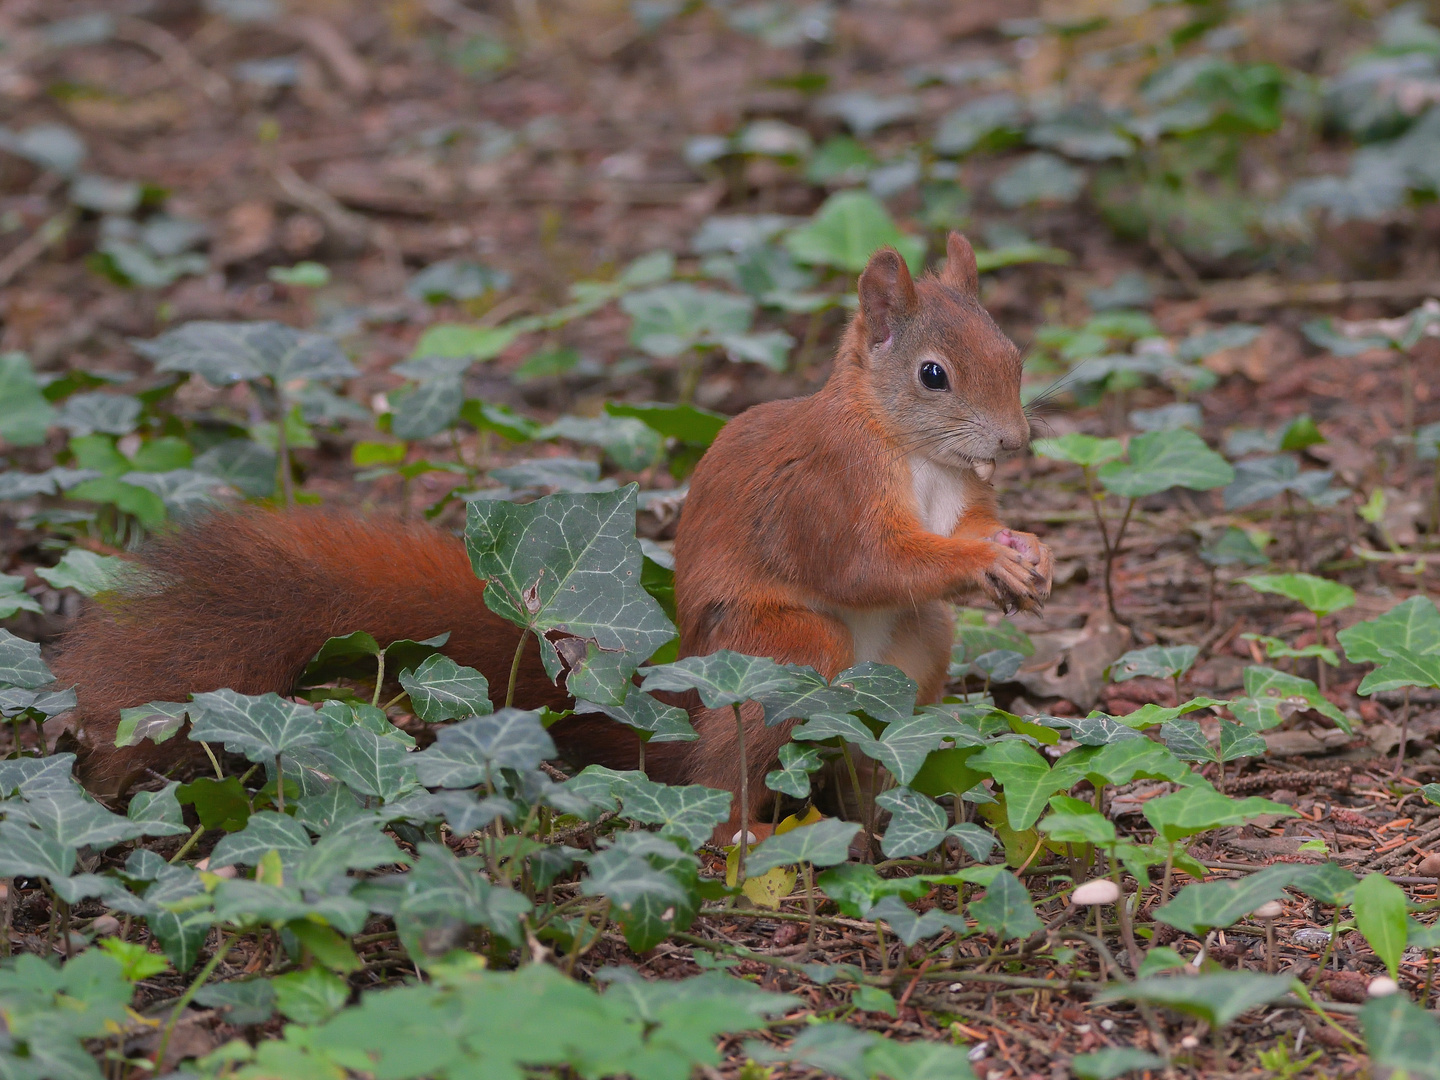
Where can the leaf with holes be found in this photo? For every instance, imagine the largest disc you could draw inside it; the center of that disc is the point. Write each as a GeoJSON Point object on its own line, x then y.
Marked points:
{"type": "Point", "coordinates": [570, 564]}
{"type": "Point", "coordinates": [1272, 697]}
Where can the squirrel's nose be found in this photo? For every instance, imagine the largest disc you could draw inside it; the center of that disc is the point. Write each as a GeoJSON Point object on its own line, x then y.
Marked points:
{"type": "Point", "coordinates": [1014, 440]}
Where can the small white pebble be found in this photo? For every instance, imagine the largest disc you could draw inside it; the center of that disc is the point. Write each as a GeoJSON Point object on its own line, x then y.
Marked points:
{"type": "Point", "coordinates": [1107, 1025]}
{"type": "Point", "coordinates": [1271, 910]}
{"type": "Point", "coordinates": [203, 864]}
{"type": "Point", "coordinates": [749, 837]}
{"type": "Point", "coordinates": [955, 988]}
{"type": "Point", "coordinates": [105, 925]}
{"type": "Point", "coordinates": [1382, 986]}
{"type": "Point", "coordinates": [1082, 1029]}
{"type": "Point", "coordinates": [1189, 1042]}
{"type": "Point", "coordinates": [1099, 891]}
{"type": "Point", "coordinates": [225, 872]}
{"type": "Point", "coordinates": [978, 1051]}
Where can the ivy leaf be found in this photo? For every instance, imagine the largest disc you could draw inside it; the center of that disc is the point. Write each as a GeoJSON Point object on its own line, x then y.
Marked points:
{"type": "Point", "coordinates": [84, 571]}
{"type": "Point", "coordinates": [260, 727]}
{"type": "Point", "coordinates": [688, 812]}
{"type": "Point", "coordinates": [459, 341]}
{"type": "Point", "coordinates": [731, 678]}
{"type": "Point", "coordinates": [1186, 741]}
{"type": "Point", "coordinates": [1401, 1037]}
{"type": "Point", "coordinates": [440, 689]}
{"type": "Point", "coordinates": [1005, 909]}
{"type": "Point", "coordinates": [20, 663]}
{"type": "Point", "coordinates": [917, 823]}
{"type": "Point", "coordinates": [427, 409]}
{"type": "Point", "coordinates": [310, 996]}
{"type": "Point", "coordinates": [1413, 624]}
{"type": "Point", "coordinates": [645, 877]}
{"type": "Point", "coordinates": [628, 442]}
{"type": "Point", "coordinates": [442, 887]}
{"type": "Point", "coordinates": [24, 413]}
{"type": "Point", "coordinates": [1073, 821]}
{"type": "Point", "coordinates": [229, 352]}
{"type": "Point", "coordinates": [825, 843]}
{"type": "Point", "coordinates": [1157, 661]}
{"type": "Point", "coordinates": [113, 414]}
{"type": "Point", "coordinates": [908, 926]}
{"type": "Point", "coordinates": [688, 424]}
{"type": "Point", "coordinates": [1024, 775]}
{"type": "Point", "coordinates": [266, 831]}
{"type": "Point", "coordinates": [1379, 906]}
{"type": "Point", "coordinates": [1165, 459]}
{"type": "Point", "coordinates": [847, 230]}
{"type": "Point", "coordinates": [1259, 479]}
{"type": "Point", "coordinates": [13, 597]}
{"type": "Point", "coordinates": [881, 691]}
{"type": "Point", "coordinates": [1216, 998]}
{"type": "Point", "coordinates": [1274, 696]}
{"type": "Point", "coordinates": [1212, 905]}
{"type": "Point", "coordinates": [670, 319]}
{"type": "Point", "coordinates": [158, 811]}
{"type": "Point", "coordinates": [1238, 742]}
{"type": "Point", "coordinates": [1080, 449]}
{"type": "Point", "coordinates": [1403, 668]}
{"type": "Point", "coordinates": [1198, 809]}
{"type": "Point", "coordinates": [468, 753]}
{"type": "Point", "coordinates": [1320, 596]}
{"type": "Point", "coordinates": [1113, 1062]}
{"type": "Point", "coordinates": [570, 564]}
{"type": "Point", "coordinates": [905, 744]}
{"type": "Point", "coordinates": [796, 765]}
{"type": "Point", "coordinates": [244, 1002]}
{"type": "Point", "coordinates": [648, 717]}
{"type": "Point", "coordinates": [367, 761]}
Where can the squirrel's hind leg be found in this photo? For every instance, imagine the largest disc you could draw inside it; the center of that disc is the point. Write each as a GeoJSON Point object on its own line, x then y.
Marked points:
{"type": "Point", "coordinates": [791, 636]}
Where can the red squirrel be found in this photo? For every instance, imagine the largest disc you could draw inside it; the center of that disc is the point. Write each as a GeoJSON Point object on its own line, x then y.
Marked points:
{"type": "Point", "coordinates": [824, 530]}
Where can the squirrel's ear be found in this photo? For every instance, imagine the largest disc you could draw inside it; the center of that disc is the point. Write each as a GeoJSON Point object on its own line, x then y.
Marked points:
{"type": "Point", "coordinates": [960, 273]}
{"type": "Point", "coordinates": [887, 294]}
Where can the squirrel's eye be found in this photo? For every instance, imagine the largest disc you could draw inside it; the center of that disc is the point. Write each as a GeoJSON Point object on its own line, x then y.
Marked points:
{"type": "Point", "coordinates": [933, 377]}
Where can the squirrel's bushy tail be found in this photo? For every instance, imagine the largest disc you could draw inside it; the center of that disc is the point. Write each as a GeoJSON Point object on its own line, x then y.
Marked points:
{"type": "Point", "coordinates": [243, 599]}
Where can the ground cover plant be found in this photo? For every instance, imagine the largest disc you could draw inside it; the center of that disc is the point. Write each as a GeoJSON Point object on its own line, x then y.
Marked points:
{"type": "Point", "coordinates": [511, 268]}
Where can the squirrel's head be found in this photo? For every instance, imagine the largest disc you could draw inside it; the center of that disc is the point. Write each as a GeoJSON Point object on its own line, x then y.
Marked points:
{"type": "Point", "coordinates": [946, 377]}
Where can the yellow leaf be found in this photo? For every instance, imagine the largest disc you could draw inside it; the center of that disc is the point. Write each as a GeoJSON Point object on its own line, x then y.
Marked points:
{"type": "Point", "coordinates": [771, 887]}
{"type": "Point", "coordinates": [270, 871]}
{"type": "Point", "coordinates": [794, 821]}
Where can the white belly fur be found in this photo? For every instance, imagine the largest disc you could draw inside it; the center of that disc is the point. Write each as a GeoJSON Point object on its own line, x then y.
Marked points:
{"type": "Point", "coordinates": [939, 494]}
{"type": "Point", "coordinates": [871, 631]}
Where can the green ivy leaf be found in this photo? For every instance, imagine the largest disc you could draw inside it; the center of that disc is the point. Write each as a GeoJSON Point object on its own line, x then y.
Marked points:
{"type": "Point", "coordinates": [1080, 449]}
{"type": "Point", "coordinates": [85, 572]}
{"type": "Point", "coordinates": [1319, 595]}
{"type": "Point", "coordinates": [1157, 661]}
{"type": "Point", "coordinates": [1165, 459]}
{"type": "Point", "coordinates": [229, 352]}
{"type": "Point", "coordinates": [1401, 1037]}
{"type": "Point", "coordinates": [20, 663]}
{"type": "Point", "coordinates": [1274, 696]}
{"type": "Point", "coordinates": [1216, 998]}
{"type": "Point", "coordinates": [825, 843]}
{"type": "Point", "coordinates": [1199, 808]}
{"type": "Point", "coordinates": [1379, 906]}
{"type": "Point", "coordinates": [469, 753]}
{"type": "Point", "coordinates": [1024, 775]}
{"type": "Point", "coordinates": [1005, 909]}
{"type": "Point", "coordinates": [440, 689]}
{"type": "Point", "coordinates": [571, 564]}
{"type": "Point", "coordinates": [1212, 905]}
{"type": "Point", "coordinates": [259, 727]}
{"type": "Point", "coordinates": [847, 230]}
{"type": "Point", "coordinates": [460, 341]}
{"type": "Point", "coordinates": [1413, 624]}
{"type": "Point", "coordinates": [25, 415]}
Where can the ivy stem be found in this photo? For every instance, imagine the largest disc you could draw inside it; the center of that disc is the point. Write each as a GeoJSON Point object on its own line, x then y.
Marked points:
{"type": "Point", "coordinates": [859, 792]}
{"type": "Point", "coordinates": [190, 843]}
{"type": "Point", "coordinates": [379, 678]}
{"type": "Point", "coordinates": [282, 452]}
{"type": "Point", "coordinates": [219, 772]}
{"type": "Point", "coordinates": [185, 998]}
{"type": "Point", "coordinates": [279, 785]}
{"type": "Point", "coordinates": [809, 873]}
{"type": "Point", "coordinates": [1127, 926]}
{"type": "Point", "coordinates": [1329, 944]}
{"type": "Point", "coordinates": [744, 840]}
{"type": "Point", "coordinates": [1404, 732]}
{"type": "Point", "coordinates": [515, 670]}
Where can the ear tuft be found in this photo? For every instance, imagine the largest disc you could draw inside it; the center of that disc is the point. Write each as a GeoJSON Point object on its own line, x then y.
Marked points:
{"type": "Point", "coordinates": [887, 294]}
{"type": "Point", "coordinates": [960, 273]}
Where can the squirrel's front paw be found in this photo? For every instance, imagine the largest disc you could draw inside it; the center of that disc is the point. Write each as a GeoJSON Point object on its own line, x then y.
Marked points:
{"type": "Point", "coordinates": [1035, 553]}
{"type": "Point", "coordinates": [1018, 578]}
